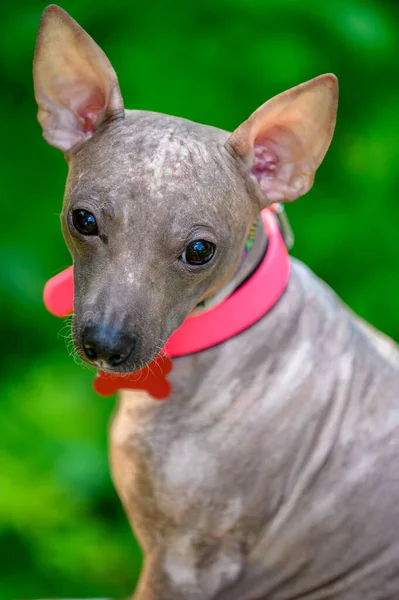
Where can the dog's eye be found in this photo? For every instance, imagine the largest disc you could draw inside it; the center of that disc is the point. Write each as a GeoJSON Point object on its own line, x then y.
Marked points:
{"type": "Point", "coordinates": [198, 252]}
{"type": "Point", "coordinates": [84, 222]}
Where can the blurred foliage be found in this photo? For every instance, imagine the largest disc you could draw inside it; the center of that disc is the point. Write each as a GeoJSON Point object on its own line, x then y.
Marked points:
{"type": "Point", "coordinates": [62, 530]}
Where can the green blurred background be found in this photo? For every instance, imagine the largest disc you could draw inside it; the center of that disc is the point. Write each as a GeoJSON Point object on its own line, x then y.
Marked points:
{"type": "Point", "coordinates": [62, 529]}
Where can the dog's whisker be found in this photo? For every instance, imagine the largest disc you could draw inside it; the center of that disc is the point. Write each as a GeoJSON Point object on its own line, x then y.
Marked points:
{"type": "Point", "coordinates": [148, 371]}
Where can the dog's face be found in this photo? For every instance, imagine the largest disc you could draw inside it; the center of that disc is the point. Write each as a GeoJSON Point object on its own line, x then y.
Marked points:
{"type": "Point", "coordinates": [157, 209]}
{"type": "Point", "coordinates": [154, 226]}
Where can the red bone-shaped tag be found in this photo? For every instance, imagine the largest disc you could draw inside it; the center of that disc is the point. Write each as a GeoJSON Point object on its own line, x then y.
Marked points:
{"type": "Point", "coordinates": [152, 379]}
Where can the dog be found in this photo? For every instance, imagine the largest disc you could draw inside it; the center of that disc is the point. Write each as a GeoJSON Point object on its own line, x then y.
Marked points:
{"type": "Point", "coordinates": [271, 470]}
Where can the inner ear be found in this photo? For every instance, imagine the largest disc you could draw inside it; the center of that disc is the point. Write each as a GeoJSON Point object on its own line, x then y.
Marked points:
{"type": "Point", "coordinates": [88, 103]}
{"type": "Point", "coordinates": [281, 164]}
{"type": "Point", "coordinates": [275, 147]}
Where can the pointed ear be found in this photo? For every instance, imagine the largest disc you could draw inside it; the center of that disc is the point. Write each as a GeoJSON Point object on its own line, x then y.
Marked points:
{"type": "Point", "coordinates": [76, 87]}
{"type": "Point", "coordinates": [285, 140]}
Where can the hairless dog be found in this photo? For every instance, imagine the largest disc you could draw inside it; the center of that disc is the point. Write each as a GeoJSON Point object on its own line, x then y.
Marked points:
{"type": "Point", "coordinates": [271, 470]}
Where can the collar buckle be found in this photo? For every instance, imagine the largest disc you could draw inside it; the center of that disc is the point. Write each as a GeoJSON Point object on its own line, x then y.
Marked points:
{"type": "Point", "coordinates": [283, 224]}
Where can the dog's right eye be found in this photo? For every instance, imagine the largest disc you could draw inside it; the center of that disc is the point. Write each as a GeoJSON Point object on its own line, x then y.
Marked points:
{"type": "Point", "coordinates": [84, 222]}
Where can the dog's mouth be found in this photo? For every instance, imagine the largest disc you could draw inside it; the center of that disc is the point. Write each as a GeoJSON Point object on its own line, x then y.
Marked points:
{"type": "Point", "coordinates": [131, 364]}
{"type": "Point", "coordinates": [127, 370]}
{"type": "Point", "coordinates": [115, 361]}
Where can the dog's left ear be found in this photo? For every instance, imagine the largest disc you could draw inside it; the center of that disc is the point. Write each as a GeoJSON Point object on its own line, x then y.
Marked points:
{"type": "Point", "coordinates": [284, 141]}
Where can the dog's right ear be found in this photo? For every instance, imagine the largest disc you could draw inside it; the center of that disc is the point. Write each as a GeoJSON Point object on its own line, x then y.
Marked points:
{"type": "Point", "coordinates": [76, 87]}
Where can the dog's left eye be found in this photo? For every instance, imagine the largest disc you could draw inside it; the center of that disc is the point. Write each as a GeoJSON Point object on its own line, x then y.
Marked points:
{"type": "Point", "coordinates": [85, 222]}
{"type": "Point", "coordinates": [198, 252]}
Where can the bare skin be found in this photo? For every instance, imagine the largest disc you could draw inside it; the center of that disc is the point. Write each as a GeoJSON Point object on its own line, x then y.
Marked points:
{"type": "Point", "coordinates": [271, 471]}
{"type": "Point", "coordinates": [303, 506]}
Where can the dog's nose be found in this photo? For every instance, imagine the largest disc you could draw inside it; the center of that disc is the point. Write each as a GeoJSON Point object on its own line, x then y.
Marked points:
{"type": "Point", "coordinates": [107, 344]}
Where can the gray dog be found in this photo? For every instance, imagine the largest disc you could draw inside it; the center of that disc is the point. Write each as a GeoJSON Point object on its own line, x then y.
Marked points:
{"type": "Point", "coordinates": [272, 470]}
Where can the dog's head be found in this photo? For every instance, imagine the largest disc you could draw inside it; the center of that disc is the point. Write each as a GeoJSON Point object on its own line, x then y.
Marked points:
{"type": "Point", "coordinates": [157, 208]}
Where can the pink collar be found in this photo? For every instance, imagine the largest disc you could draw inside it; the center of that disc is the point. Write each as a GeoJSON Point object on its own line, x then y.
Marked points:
{"type": "Point", "coordinates": [243, 308]}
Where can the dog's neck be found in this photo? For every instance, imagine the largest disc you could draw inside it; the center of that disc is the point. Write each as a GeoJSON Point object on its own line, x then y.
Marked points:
{"type": "Point", "coordinates": [253, 253]}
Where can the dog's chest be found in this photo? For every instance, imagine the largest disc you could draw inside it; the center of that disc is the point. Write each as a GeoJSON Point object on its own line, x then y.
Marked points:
{"type": "Point", "coordinates": [180, 495]}
{"type": "Point", "coordinates": [178, 468]}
